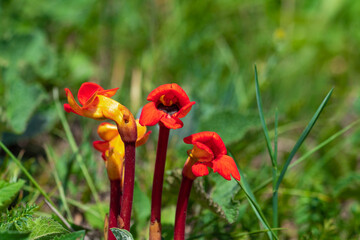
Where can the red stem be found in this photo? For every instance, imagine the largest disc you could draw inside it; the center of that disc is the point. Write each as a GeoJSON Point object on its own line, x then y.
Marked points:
{"type": "Point", "coordinates": [115, 199]}
{"type": "Point", "coordinates": [127, 199]}
{"type": "Point", "coordinates": [159, 175]}
{"type": "Point", "coordinates": [181, 208]}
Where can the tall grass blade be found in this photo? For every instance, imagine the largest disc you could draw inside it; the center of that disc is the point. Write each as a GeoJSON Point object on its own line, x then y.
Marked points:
{"type": "Point", "coordinates": [262, 119]}
{"type": "Point", "coordinates": [255, 206]}
{"type": "Point", "coordinates": [51, 158]}
{"type": "Point", "coordinates": [302, 138]}
{"type": "Point", "coordinates": [32, 180]}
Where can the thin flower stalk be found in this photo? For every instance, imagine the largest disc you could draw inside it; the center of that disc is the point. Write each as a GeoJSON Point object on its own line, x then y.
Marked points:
{"type": "Point", "coordinates": [208, 151]}
{"type": "Point", "coordinates": [168, 103]}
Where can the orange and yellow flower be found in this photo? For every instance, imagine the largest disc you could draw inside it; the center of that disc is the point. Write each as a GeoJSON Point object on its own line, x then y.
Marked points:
{"type": "Point", "coordinates": [113, 149]}
{"type": "Point", "coordinates": [97, 104]}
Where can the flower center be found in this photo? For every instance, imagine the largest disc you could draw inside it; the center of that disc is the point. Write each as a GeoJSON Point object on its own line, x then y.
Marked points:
{"type": "Point", "coordinates": [168, 105]}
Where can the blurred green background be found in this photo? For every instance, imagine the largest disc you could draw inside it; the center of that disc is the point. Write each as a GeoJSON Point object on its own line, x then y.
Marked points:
{"type": "Point", "coordinates": [302, 49]}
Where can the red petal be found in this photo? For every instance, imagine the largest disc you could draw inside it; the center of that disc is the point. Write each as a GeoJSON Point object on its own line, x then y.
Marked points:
{"type": "Point", "coordinates": [202, 152]}
{"type": "Point", "coordinates": [226, 166]}
{"type": "Point", "coordinates": [169, 89]}
{"type": "Point", "coordinates": [184, 110]}
{"type": "Point", "coordinates": [143, 139]}
{"type": "Point", "coordinates": [210, 139]}
{"type": "Point", "coordinates": [68, 109]}
{"type": "Point", "coordinates": [172, 122]}
{"type": "Point", "coordinates": [200, 169]}
{"type": "Point", "coordinates": [87, 90]}
{"type": "Point", "coordinates": [101, 146]}
{"type": "Point", "coordinates": [108, 92]}
{"type": "Point", "coordinates": [150, 115]}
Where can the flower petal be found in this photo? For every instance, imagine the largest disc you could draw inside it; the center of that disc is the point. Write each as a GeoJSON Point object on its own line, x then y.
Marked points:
{"type": "Point", "coordinates": [170, 90]}
{"type": "Point", "coordinates": [101, 146]}
{"type": "Point", "coordinates": [143, 139]}
{"type": "Point", "coordinates": [87, 90]}
{"type": "Point", "coordinates": [109, 92]}
{"type": "Point", "coordinates": [68, 109]}
{"type": "Point", "coordinates": [200, 169]}
{"type": "Point", "coordinates": [184, 110]}
{"type": "Point", "coordinates": [202, 152]}
{"type": "Point", "coordinates": [210, 139]}
{"type": "Point", "coordinates": [107, 131]}
{"type": "Point", "coordinates": [150, 115]}
{"type": "Point", "coordinates": [172, 122]}
{"type": "Point", "coordinates": [72, 103]}
{"type": "Point", "coordinates": [226, 166]}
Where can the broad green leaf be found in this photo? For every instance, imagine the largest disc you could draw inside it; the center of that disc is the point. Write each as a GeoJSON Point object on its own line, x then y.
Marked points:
{"type": "Point", "coordinates": [8, 192]}
{"type": "Point", "coordinates": [94, 216]}
{"type": "Point", "coordinates": [122, 234]}
{"type": "Point", "coordinates": [79, 235]}
{"type": "Point", "coordinates": [44, 228]}
{"type": "Point", "coordinates": [21, 100]}
{"type": "Point", "coordinates": [11, 235]}
{"type": "Point", "coordinates": [223, 194]}
{"type": "Point", "coordinates": [230, 125]}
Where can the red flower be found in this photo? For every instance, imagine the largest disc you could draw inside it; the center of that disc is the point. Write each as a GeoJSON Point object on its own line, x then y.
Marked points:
{"type": "Point", "coordinates": [208, 151]}
{"type": "Point", "coordinates": [169, 102]}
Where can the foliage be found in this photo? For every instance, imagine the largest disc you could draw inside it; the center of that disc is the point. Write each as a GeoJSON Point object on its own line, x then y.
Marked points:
{"type": "Point", "coordinates": [302, 49]}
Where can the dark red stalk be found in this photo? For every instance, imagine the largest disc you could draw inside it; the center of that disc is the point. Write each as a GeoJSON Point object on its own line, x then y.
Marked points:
{"type": "Point", "coordinates": [127, 199]}
{"type": "Point", "coordinates": [115, 200]}
{"type": "Point", "coordinates": [155, 224]}
{"type": "Point", "coordinates": [181, 208]}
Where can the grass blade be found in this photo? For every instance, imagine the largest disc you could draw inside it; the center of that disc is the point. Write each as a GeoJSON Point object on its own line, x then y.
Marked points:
{"type": "Point", "coordinates": [256, 232]}
{"type": "Point", "coordinates": [262, 119]}
{"type": "Point", "coordinates": [51, 158]}
{"type": "Point", "coordinates": [309, 153]}
{"type": "Point", "coordinates": [302, 138]}
{"type": "Point", "coordinates": [255, 206]}
{"type": "Point", "coordinates": [25, 171]}
{"type": "Point", "coordinates": [75, 149]}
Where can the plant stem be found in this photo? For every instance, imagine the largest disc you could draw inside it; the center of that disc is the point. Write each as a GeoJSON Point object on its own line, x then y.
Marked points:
{"type": "Point", "coordinates": [115, 206]}
{"type": "Point", "coordinates": [155, 220]}
{"type": "Point", "coordinates": [181, 208]}
{"type": "Point", "coordinates": [127, 199]}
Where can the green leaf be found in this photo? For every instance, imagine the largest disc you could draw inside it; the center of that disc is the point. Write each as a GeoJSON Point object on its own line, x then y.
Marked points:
{"type": "Point", "coordinates": [122, 234]}
{"type": "Point", "coordinates": [223, 194]}
{"type": "Point", "coordinates": [8, 192]}
{"type": "Point", "coordinates": [21, 100]}
{"type": "Point", "coordinates": [93, 215]}
{"type": "Point", "coordinates": [11, 235]}
{"type": "Point", "coordinates": [302, 138]}
{"type": "Point", "coordinates": [237, 124]}
{"type": "Point", "coordinates": [44, 228]}
{"type": "Point", "coordinates": [79, 235]}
